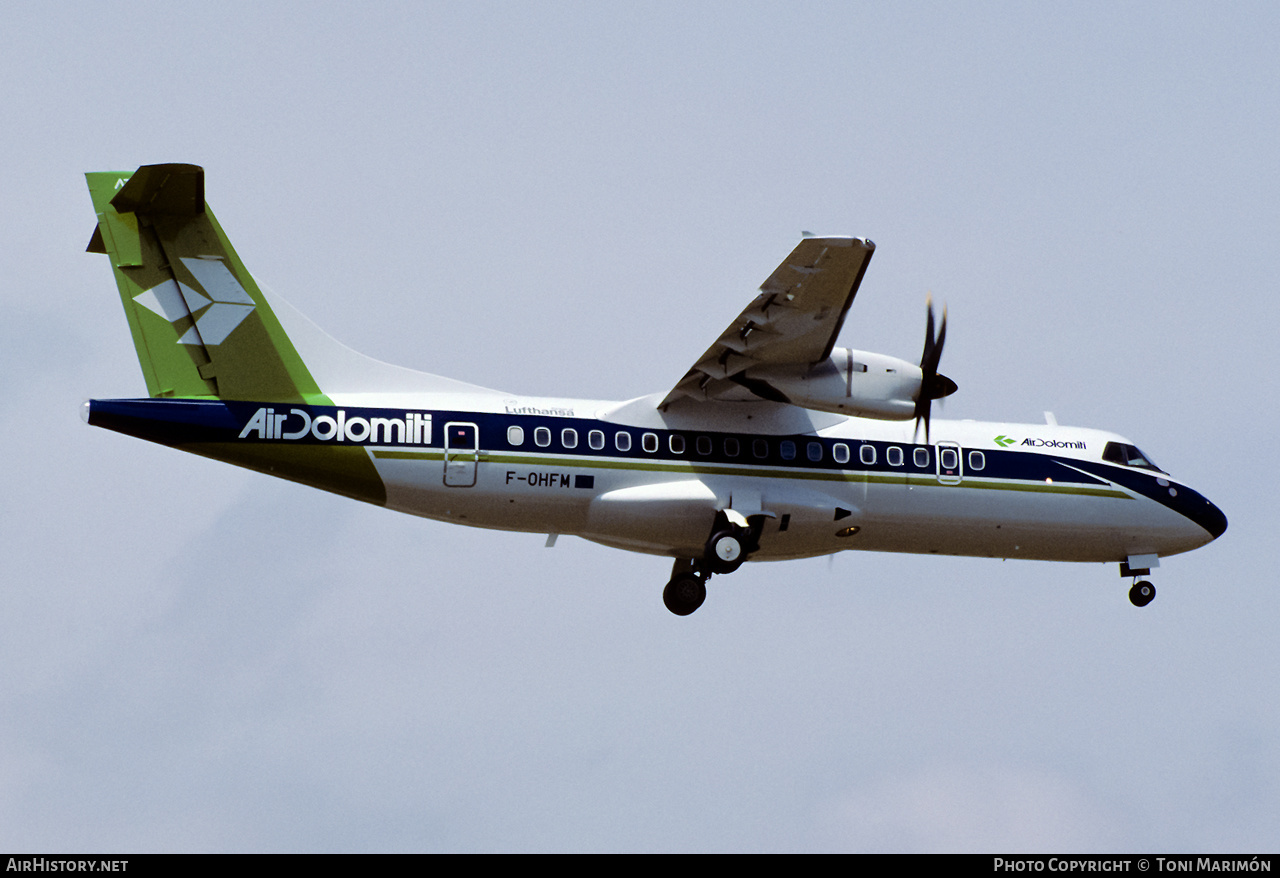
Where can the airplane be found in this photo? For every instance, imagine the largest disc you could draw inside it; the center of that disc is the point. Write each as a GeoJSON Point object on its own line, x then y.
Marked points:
{"type": "Point", "coordinates": [776, 444]}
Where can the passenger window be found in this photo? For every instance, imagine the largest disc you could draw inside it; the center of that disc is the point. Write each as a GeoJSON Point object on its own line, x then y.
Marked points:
{"type": "Point", "coordinates": [894, 456]}
{"type": "Point", "coordinates": [814, 451]}
{"type": "Point", "coordinates": [787, 449]}
{"type": "Point", "coordinates": [622, 441]}
{"type": "Point", "coordinates": [731, 447]}
{"type": "Point", "coordinates": [542, 437]}
{"type": "Point", "coordinates": [840, 452]}
{"type": "Point", "coordinates": [595, 439]}
{"type": "Point", "coordinates": [867, 454]}
{"type": "Point", "coordinates": [649, 442]}
{"type": "Point", "coordinates": [515, 435]}
{"type": "Point", "coordinates": [760, 448]}
{"type": "Point", "coordinates": [920, 457]}
{"type": "Point", "coordinates": [703, 445]}
{"type": "Point", "coordinates": [977, 460]}
{"type": "Point", "coordinates": [569, 437]}
{"type": "Point", "coordinates": [949, 458]}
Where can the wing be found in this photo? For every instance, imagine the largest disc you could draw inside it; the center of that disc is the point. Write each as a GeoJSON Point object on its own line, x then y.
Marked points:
{"type": "Point", "coordinates": [794, 320]}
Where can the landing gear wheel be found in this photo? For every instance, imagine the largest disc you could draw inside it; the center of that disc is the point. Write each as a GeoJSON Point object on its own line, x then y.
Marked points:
{"type": "Point", "coordinates": [1142, 593]}
{"type": "Point", "coordinates": [684, 593]}
{"type": "Point", "coordinates": [725, 552]}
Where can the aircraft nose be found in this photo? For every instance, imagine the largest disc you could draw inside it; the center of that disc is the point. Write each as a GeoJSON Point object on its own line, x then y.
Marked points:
{"type": "Point", "coordinates": [1199, 509]}
{"type": "Point", "coordinates": [1213, 520]}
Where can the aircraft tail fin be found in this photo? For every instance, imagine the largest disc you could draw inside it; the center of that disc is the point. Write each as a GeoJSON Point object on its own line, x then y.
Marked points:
{"type": "Point", "coordinates": [200, 323]}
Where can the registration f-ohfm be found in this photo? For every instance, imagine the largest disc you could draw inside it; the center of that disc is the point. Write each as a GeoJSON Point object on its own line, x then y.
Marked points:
{"type": "Point", "coordinates": [776, 444]}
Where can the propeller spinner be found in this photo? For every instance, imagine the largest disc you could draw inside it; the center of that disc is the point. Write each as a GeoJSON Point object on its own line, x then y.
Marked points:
{"type": "Point", "coordinates": [932, 384]}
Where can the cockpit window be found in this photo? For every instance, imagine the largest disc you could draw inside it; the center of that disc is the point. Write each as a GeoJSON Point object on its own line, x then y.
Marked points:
{"type": "Point", "coordinates": [1128, 455]}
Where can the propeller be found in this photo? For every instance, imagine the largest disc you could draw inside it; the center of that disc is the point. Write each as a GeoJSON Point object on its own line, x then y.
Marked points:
{"type": "Point", "coordinates": [932, 385]}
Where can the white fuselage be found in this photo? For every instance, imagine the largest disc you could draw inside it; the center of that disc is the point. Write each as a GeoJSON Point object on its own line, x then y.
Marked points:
{"type": "Point", "coordinates": [630, 476]}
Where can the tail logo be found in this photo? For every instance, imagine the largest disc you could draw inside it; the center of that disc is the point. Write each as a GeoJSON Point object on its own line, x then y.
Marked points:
{"type": "Point", "coordinates": [222, 306]}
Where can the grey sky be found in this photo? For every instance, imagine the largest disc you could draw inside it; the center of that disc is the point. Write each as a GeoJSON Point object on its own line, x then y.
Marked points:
{"type": "Point", "coordinates": [575, 199]}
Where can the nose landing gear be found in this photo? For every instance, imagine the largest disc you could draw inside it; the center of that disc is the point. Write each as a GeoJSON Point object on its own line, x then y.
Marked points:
{"type": "Point", "coordinates": [1142, 593]}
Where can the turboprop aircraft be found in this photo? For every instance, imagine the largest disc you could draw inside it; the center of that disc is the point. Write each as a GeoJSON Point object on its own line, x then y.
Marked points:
{"type": "Point", "coordinates": [775, 444]}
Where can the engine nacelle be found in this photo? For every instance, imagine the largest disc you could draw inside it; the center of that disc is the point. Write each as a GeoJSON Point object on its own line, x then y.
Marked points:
{"type": "Point", "coordinates": [849, 382]}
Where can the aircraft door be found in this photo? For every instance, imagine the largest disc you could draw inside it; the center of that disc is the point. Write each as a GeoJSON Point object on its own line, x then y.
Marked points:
{"type": "Point", "coordinates": [950, 466]}
{"type": "Point", "coordinates": [461, 453]}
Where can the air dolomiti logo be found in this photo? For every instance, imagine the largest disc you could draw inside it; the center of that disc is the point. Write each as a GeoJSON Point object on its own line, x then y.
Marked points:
{"type": "Point", "coordinates": [1052, 443]}
{"type": "Point", "coordinates": [295, 424]}
{"type": "Point", "coordinates": [1005, 441]}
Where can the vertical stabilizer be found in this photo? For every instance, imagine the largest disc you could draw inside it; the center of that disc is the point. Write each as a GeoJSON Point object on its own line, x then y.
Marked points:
{"type": "Point", "coordinates": [201, 325]}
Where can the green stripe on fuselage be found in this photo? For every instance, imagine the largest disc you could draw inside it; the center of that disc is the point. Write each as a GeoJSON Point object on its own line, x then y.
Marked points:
{"type": "Point", "coordinates": [849, 476]}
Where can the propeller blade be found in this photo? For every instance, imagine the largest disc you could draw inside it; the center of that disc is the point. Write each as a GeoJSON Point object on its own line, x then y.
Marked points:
{"type": "Point", "coordinates": [932, 385]}
{"type": "Point", "coordinates": [928, 331]}
{"type": "Point", "coordinates": [922, 415]}
{"type": "Point", "coordinates": [942, 339]}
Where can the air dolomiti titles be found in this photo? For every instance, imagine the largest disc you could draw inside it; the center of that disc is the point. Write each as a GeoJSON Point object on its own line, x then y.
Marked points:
{"type": "Point", "coordinates": [268, 423]}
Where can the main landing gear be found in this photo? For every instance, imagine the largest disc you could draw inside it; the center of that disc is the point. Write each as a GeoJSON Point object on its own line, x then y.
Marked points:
{"type": "Point", "coordinates": [732, 539]}
{"type": "Point", "coordinates": [687, 589]}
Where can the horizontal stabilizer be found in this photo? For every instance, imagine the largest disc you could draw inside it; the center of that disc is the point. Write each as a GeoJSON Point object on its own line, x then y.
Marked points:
{"type": "Point", "coordinates": [162, 190]}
